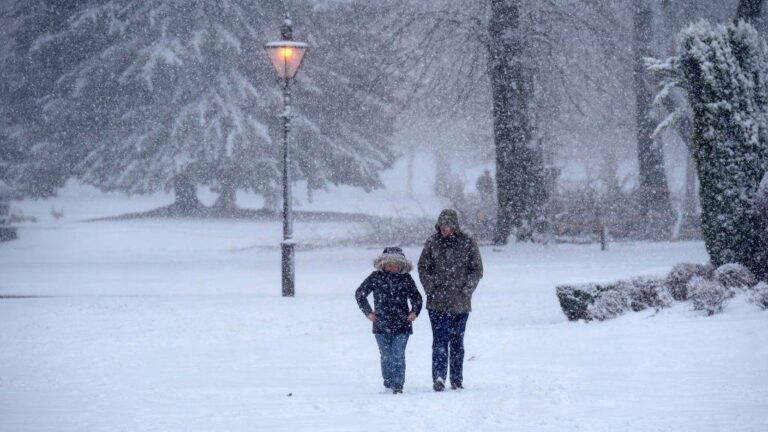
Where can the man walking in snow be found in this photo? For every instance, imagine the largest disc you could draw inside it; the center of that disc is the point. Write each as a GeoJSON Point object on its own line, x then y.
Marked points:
{"type": "Point", "coordinates": [450, 268]}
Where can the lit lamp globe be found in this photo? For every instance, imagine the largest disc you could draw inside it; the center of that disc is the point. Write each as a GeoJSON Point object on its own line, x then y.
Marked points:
{"type": "Point", "coordinates": [286, 57]}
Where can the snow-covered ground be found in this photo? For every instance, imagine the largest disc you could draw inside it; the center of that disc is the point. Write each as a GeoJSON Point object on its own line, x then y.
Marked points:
{"type": "Point", "coordinates": [180, 326]}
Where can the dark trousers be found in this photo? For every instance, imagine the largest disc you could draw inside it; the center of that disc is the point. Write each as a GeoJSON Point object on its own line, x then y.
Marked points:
{"type": "Point", "coordinates": [392, 351]}
{"type": "Point", "coordinates": [448, 342]}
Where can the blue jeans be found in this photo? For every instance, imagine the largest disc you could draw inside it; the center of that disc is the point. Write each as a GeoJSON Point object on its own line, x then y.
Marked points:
{"type": "Point", "coordinates": [392, 350]}
{"type": "Point", "coordinates": [448, 341]}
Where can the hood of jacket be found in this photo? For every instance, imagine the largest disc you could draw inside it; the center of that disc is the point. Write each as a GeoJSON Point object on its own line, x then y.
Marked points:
{"type": "Point", "coordinates": [394, 255]}
{"type": "Point", "coordinates": [450, 218]}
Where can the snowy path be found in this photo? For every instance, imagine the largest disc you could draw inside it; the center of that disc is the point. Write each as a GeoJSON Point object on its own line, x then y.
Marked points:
{"type": "Point", "coordinates": [154, 326]}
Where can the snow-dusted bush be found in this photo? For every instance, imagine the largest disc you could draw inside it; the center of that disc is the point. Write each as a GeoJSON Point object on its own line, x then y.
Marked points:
{"type": "Point", "coordinates": [678, 277]}
{"type": "Point", "coordinates": [707, 288]}
{"type": "Point", "coordinates": [734, 275]}
{"type": "Point", "coordinates": [609, 303]}
{"type": "Point", "coordinates": [575, 299]}
{"type": "Point", "coordinates": [601, 302]}
{"type": "Point", "coordinates": [646, 292]}
{"type": "Point", "coordinates": [759, 295]}
{"type": "Point", "coordinates": [708, 295]}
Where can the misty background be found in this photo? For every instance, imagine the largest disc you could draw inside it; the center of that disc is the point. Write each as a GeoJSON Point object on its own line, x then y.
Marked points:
{"type": "Point", "coordinates": [140, 97]}
{"type": "Point", "coordinates": [141, 197]}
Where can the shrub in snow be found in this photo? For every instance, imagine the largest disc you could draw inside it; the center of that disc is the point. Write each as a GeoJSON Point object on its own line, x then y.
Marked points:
{"type": "Point", "coordinates": [734, 275]}
{"type": "Point", "coordinates": [708, 295]}
{"type": "Point", "coordinates": [678, 277]}
{"type": "Point", "coordinates": [609, 303]}
{"type": "Point", "coordinates": [759, 295]}
{"type": "Point", "coordinates": [645, 292]}
{"type": "Point", "coordinates": [724, 68]}
{"type": "Point", "coordinates": [575, 299]}
{"type": "Point", "coordinates": [601, 302]}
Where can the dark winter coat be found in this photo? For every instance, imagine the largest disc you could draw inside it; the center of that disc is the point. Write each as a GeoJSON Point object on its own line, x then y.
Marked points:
{"type": "Point", "coordinates": [391, 293]}
{"type": "Point", "coordinates": [450, 268]}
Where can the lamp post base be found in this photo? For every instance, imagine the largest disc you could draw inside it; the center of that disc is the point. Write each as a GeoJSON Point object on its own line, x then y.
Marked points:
{"type": "Point", "coordinates": [288, 270]}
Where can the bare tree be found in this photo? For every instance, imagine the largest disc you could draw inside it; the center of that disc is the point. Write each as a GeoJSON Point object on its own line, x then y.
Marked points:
{"type": "Point", "coordinates": [518, 167]}
{"type": "Point", "coordinates": [522, 69]}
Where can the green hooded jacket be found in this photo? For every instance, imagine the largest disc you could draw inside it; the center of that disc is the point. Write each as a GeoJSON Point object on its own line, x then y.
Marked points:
{"type": "Point", "coordinates": [450, 267]}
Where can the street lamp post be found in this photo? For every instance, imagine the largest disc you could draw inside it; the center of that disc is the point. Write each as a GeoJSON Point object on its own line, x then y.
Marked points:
{"type": "Point", "coordinates": [286, 56]}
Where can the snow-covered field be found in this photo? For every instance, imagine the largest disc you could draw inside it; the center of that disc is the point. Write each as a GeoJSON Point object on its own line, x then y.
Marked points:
{"type": "Point", "coordinates": [180, 326]}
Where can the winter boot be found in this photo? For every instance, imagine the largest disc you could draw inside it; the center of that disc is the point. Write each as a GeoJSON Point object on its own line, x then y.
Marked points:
{"type": "Point", "coordinates": [439, 385]}
{"type": "Point", "coordinates": [397, 389]}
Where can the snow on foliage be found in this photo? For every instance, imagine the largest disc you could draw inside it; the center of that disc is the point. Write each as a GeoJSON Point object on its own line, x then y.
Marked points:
{"type": "Point", "coordinates": [142, 91]}
{"type": "Point", "coordinates": [601, 302]}
{"type": "Point", "coordinates": [709, 296]}
{"type": "Point", "coordinates": [759, 295]}
{"type": "Point", "coordinates": [575, 299]}
{"type": "Point", "coordinates": [734, 275]}
{"type": "Point", "coordinates": [762, 197]}
{"type": "Point", "coordinates": [724, 69]}
{"type": "Point", "coordinates": [647, 292]}
{"type": "Point", "coordinates": [678, 277]}
{"type": "Point", "coordinates": [610, 303]}
{"type": "Point", "coordinates": [706, 288]}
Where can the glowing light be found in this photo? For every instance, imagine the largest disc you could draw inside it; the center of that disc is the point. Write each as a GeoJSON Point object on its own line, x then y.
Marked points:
{"type": "Point", "coordinates": [286, 56]}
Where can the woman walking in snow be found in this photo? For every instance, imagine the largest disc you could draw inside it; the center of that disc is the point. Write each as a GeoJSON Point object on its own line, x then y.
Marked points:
{"type": "Point", "coordinates": [450, 267]}
{"type": "Point", "coordinates": [392, 289]}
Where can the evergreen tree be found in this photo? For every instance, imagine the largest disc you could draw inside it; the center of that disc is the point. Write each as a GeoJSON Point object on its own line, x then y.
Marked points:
{"type": "Point", "coordinates": [177, 93]}
{"type": "Point", "coordinates": [29, 158]}
{"type": "Point", "coordinates": [347, 110]}
{"type": "Point", "coordinates": [725, 70]}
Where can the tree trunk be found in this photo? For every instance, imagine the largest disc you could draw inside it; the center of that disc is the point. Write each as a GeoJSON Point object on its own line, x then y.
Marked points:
{"type": "Point", "coordinates": [691, 227]}
{"type": "Point", "coordinates": [654, 198]}
{"type": "Point", "coordinates": [186, 202]}
{"type": "Point", "coordinates": [225, 204]}
{"type": "Point", "coordinates": [512, 91]}
{"type": "Point", "coordinates": [749, 10]}
{"type": "Point", "coordinates": [410, 167]}
{"type": "Point", "coordinates": [447, 185]}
